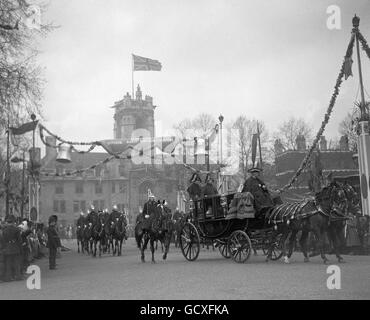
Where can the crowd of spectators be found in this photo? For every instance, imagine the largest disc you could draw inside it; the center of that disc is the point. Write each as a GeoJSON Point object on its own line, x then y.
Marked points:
{"type": "Point", "coordinates": [30, 244]}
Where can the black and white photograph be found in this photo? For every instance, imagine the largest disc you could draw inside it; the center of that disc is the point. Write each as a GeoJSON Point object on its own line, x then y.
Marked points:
{"type": "Point", "coordinates": [184, 154]}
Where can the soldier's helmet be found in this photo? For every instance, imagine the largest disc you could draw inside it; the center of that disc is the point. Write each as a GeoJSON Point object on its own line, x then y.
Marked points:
{"type": "Point", "coordinates": [105, 210]}
{"type": "Point", "coordinates": [92, 208]}
{"type": "Point", "coordinates": [81, 213]}
{"type": "Point", "coordinates": [115, 208]}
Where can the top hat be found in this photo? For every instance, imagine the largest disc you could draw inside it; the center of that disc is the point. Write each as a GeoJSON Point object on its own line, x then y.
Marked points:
{"type": "Point", "coordinates": [195, 177]}
{"type": "Point", "coordinates": [254, 169]}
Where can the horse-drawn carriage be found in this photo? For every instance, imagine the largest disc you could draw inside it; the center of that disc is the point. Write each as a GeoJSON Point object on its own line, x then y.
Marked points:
{"type": "Point", "coordinates": [225, 220]}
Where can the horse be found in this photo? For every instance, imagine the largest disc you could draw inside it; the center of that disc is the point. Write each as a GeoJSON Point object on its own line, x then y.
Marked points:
{"type": "Point", "coordinates": [118, 234]}
{"type": "Point", "coordinates": [80, 233]}
{"type": "Point", "coordinates": [325, 214]}
{"type": "Point", "coordinates": [158, 226]}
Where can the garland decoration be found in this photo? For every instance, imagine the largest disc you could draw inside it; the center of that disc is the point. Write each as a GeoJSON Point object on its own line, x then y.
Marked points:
{"type": "Point", "coordinates": [326, 118]}
{"type": "Point", "coordinates": [364, 44]}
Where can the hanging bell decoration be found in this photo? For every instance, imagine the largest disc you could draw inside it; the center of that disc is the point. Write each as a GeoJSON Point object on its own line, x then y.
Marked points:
{"type": "Point", "coordinates": [64, 153]}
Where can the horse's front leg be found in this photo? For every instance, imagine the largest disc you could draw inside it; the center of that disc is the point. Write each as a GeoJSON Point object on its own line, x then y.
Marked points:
{"type": "Point", "coordinates": [292, 240]}
{"type": "Point", "coordinates": [284, 237]}
{"type": "Point", "coordinates": [143, 247]}
{"type": "Point", "coordinates": [303, 244]}
{"type": "Point", "coordinates": [167, 242]}
{"type": "Point", "coordinates": [336, 244]}
{"type": "Point", "coordinates": [78, 246]}
{"type": "Point", "coordinates": [320, 236]}
{"type": "Point", "coordinates": [152, 249]}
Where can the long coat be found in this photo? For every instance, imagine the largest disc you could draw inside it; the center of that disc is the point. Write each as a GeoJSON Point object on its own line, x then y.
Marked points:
{"type": "Point", "coordinates": [194, 191]}
{"type": "Point", "coordinates": [209, 190]}
{"type": "Point", "coordinates": [12, 240]}
{"type": "Point", "coordinates": [53, 238]}
{"type": "Point", "coordinates": [259, 191]}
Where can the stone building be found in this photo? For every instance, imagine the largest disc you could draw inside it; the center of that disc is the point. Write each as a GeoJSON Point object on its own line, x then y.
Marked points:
{"type": "Point", "coordinates": [339, 162]}
{"type": "Point", "coordinates": [121, 182]}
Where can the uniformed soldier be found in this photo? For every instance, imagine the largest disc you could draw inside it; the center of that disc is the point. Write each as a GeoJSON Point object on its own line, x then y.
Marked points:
{"type": "Point", "coordinates": [209, 189]}
{"type": "Point", "coordinates": [195, 190]}
{"type": "Point", "coordinates": [12, 243]}
{"type": "Point", "coordinates": [92, 217]}
{"type": "Point", "coordinates": [258, 189]}
{"type": "Point", "coordinates": [149, 207]}
{"type": "Point", "coordinates": [53, 242]}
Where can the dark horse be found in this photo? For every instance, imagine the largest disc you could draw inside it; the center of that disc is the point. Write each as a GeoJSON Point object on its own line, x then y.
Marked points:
{"type": "Point", "coordinates": [158, 226]}
{"type": "Point", "coordinates": [118, 229]}
{"type": "Point", "coordinates": [325, 214]}
{"type": "Point", "coordinates": [81, 223]}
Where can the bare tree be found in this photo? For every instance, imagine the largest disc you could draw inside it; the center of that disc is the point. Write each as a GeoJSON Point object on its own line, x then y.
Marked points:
{"type": "Point", "coordinates": [242, 131]}
{"type": "Point", "coordinates": [348, 127]}
{"type": "Point", "coordinates": [200, 126]}
{"type": "Point", "coordinates": [289, 130]}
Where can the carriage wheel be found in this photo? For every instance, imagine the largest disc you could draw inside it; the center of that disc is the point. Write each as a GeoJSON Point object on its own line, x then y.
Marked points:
{"type": "Point", "coordinates": [276, 248]}
{"type": "Point", "coordinates": [224, 249]}
{"type": "Point", "coordinates": [189, 241]}
{"type": "Point", "coordinates": [239, 246]}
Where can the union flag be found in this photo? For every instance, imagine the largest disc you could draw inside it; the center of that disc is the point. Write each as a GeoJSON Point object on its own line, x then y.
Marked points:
{"type": "Point", "coordinates": [145, 64]}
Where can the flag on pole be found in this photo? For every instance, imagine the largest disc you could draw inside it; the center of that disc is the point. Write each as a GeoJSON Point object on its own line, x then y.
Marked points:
{"type": "Point", "coordinates": [24, 128]}
{"type": "Point", "coordinates": [145, 64]}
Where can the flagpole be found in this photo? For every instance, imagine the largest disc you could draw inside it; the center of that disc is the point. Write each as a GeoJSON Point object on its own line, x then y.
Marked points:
{"type": "Point", "coordinates": [132, 79]}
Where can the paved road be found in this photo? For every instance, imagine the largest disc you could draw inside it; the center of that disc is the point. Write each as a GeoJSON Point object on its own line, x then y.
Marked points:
{"type": "Point", "coordinates": [210, 277]}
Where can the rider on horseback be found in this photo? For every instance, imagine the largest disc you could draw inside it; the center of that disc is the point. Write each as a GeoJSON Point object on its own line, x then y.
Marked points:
{"type": "Point", "coordinates": [149, 207]}
{"type": "Point", "coordinates": [254, 185]}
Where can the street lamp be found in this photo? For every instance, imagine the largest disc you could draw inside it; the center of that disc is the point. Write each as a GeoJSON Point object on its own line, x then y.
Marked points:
{"type": "Point", "coordinates": [17, 160]}
{"type": "Point", "coordinates": [221, 119]}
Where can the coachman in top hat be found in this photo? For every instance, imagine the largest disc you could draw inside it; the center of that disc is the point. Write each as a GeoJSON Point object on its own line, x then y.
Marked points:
{"type": "Point", "coordinates": [258, 189]}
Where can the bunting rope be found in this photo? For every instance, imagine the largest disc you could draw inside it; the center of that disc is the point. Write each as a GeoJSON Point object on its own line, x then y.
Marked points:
{"type": "Point", "coordinates": [327, 115]}
{"type": "Point", "coordinates": [364, 44]}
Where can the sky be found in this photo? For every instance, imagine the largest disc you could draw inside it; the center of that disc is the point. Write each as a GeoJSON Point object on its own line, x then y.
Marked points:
{"type": "Point", "coordinates": [265, 59]}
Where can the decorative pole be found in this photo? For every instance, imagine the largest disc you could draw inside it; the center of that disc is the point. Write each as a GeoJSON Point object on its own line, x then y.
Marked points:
{"type": "Point", "coordinates": [364, 137]}
{"type": "Point", "coordinates": [221, 119]}
{"type": "Point", "coordinates": [7, 170]}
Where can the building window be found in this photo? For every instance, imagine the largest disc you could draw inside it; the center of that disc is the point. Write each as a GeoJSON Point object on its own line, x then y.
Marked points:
{"type": "Point", "coordinates": [98, 171]}
{"type": "Point", "coordinates": [98, 187]}
{"type": "Point", "coordinates": [76, 206]}
{"type": "Point", "coordinates": [83, 205]}
{"type": "Point", "coordinates": [79, 167]}
{"type": "Point", "coordinates": [59, 170]}
{"type": "Point", "coordinates": [96, 204]}
{"type": "Point", "coordinates": [62, 206]}
{"type": "Point", "coordinates": [102, 205]}
{"type": "Point", "coordinates": [121, 170]}
{"type": "Point", "coordinates": [122, 187]}
{"type": "Point", "coordinates": [56, 206]}
{"type": "Point", "coordinates": [79, 187]}
{"type": "Point", "coordinates": [59, 206]}
{"type": "Point", "coordinates": [59, 188]}
{"type": "Point", "coordinates": [113, 187]}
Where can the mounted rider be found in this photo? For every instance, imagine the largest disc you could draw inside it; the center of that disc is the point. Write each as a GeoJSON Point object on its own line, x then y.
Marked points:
{"type": "Point", "coordinates": [254, 185]}
{"type": "Point", "coordinates": [93, 216]}
{"type": "Point", "coordinates": [149, 207]}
